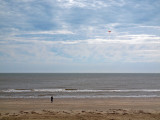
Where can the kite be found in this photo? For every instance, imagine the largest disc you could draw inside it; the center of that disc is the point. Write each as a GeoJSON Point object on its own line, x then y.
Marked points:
{"type": "Point", "coordinates": [109, 34]}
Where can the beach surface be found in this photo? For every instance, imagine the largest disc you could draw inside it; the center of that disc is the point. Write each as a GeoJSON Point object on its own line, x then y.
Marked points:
{"type": "Point", "coordinates": [80, 109]}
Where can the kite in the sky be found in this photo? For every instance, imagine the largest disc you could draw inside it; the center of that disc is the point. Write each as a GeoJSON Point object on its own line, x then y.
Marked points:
{"type": "Point", "coordinates": [109, 34]}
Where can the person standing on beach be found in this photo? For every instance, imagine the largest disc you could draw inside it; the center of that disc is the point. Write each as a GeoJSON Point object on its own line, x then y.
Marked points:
{"type": "Point", "coordinates": [51, 99]}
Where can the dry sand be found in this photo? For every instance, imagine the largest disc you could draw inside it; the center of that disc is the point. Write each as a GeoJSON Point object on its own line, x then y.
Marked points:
{"type": "Point", "coordinates": [81, 109]}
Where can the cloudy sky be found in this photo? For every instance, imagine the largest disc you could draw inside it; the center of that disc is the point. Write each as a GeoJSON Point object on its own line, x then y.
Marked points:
{"type": "Point", "coordinates": [72, 36]}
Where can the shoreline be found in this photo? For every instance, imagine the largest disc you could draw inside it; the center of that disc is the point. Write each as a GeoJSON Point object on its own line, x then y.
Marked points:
{"type": "Point", "coordinates": [86, 108]}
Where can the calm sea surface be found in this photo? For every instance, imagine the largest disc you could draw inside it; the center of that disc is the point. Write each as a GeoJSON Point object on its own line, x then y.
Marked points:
{"type": "Point", "coordinates": [79, 85]}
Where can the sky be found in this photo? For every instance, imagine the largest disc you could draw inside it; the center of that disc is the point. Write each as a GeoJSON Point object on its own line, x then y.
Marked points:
{"type": "Point", "coordinates": [71, 36]}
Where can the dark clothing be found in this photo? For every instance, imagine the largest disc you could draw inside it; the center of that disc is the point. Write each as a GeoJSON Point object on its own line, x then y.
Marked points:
{"type": "Point", "coordinates": [51, 99]}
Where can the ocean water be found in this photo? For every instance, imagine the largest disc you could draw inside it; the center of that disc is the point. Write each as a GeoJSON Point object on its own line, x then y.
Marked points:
{"type": "Point", "coordinates": [79, 85]}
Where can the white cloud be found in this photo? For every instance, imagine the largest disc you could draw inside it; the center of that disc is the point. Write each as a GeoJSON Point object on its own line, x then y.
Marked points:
{"type": "Point", "coordinates": [51, 32]}
{"type": "Point", "coordinates": [90, 4]}
{"type": "Point", "coordinates": [126, 48]}
{"type": "Point", "coordinates": [153, 27]}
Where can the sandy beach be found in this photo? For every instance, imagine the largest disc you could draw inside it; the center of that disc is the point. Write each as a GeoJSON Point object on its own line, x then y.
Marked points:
{"type": "Point", "coordinates": [82, 109]}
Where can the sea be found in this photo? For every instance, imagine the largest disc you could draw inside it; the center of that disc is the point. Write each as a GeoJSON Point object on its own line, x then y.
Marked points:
{"type": "Point", "coordinates": [79, 85]}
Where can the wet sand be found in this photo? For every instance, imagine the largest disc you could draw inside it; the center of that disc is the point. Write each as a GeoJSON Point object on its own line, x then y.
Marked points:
{"type": "Point", "coordinates": [80, 109]}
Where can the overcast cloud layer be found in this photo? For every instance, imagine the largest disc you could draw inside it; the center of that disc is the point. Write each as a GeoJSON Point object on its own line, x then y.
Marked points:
{"type": "Point", "coordinates": [72, 36]}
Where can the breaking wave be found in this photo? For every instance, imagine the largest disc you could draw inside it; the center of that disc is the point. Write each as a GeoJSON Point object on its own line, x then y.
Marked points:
{"type": "Point", "coordinates": [76, 90]}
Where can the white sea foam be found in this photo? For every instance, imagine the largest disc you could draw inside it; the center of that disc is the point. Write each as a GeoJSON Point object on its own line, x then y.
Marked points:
{"type": "Point", "coordinates": [80, 91]}
{"type": "Point", "coordinates": [16, 90]}
{"type": "Point", "coordinates": [94, 91]}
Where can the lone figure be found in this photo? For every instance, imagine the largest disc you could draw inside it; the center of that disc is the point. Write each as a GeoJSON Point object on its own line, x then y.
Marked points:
{"type": "Point", "coordinates": [51, 99]}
